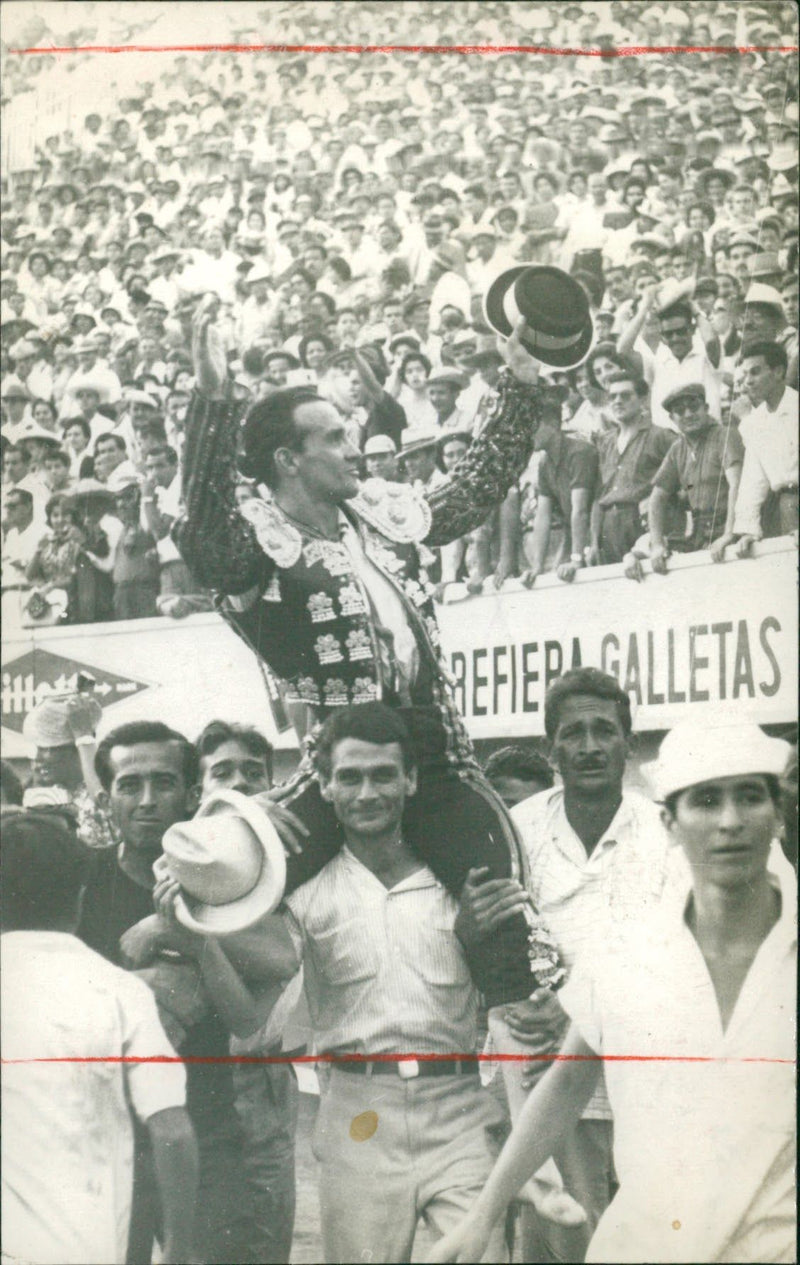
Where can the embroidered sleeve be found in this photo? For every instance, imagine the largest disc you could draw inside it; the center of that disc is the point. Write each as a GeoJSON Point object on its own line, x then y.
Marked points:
{"type": "Point", "coordinates": [495, 460]}
{"type": "Point", "coordinates": [216, 542]}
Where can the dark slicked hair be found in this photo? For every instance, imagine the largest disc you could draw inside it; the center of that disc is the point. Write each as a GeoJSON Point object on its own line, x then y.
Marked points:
{"type": "Point", "coordinates": [218, 731]}
{"type": "Point", "coordinates": [774, 354]}
{"type": "Point", "coordinates": [139, 731]}
{"type": "Point", "coordinates": [582, 681]}
{"type": "Point", "coordinates": [270, 424]}
{"type": "Point", "coordinates": [368, 722]}
{"type": "Point", "coordinates": [45, 866]}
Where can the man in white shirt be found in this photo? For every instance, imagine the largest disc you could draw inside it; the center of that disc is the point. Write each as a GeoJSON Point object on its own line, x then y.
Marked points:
{"type": "Point", "coordinates": [769, 432]}
{"type": "Point", "coordinates": [79, 1040]}
{"type": "Point", "coordinates": [402, 1129]}
{"type": "Point", "coordinates": [702, 994]}
{"type": "Point", "coordinates": [687, 346]}
{"type": "Point", "coordinates": [595, 851]}
{"type": "Point", "coordinates": [23, 532]}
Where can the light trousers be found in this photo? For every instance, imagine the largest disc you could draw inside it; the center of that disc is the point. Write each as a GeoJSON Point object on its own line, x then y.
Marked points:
{"type": "Point", "coordinates": [396, 1152]}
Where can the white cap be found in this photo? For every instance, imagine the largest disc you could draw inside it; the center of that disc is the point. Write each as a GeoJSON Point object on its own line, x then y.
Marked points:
{"type": "Point", "coordinates": [695, 752]}
{"type": "Point", "coordinates": [379, 444]}
{"type": "Point", "coordinates": [760, 293]}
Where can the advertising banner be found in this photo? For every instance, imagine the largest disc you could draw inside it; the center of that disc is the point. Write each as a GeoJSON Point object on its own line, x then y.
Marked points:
{"type": "Point", "coordinates": [724, 635]}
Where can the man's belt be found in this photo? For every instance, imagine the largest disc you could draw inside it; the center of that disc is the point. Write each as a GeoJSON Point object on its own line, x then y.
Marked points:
{"type": "Point", "coordinates": [408, 1069]}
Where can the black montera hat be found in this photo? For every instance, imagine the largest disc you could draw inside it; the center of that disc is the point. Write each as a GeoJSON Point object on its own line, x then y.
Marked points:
{"type": "Point", "coordinates": [558, 326]}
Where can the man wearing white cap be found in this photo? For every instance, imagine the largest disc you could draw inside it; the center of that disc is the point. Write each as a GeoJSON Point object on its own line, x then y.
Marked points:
{"type": "Point", "coordinates": [380, 458]}
{"type": "Point", "coordinates": [419, 454]}
{"type": "Point", "coordinates": [692, 1015]}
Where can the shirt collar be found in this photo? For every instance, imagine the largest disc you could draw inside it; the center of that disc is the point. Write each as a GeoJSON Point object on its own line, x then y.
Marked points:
{"type": "Point", "coordinates": [421, 878]}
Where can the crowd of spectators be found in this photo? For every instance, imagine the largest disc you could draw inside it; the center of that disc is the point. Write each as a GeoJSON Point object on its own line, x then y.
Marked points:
{"type": "Point", "coordinates": [349, 214]}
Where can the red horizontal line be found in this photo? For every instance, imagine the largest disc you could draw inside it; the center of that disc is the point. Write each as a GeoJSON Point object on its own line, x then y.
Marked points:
{"type": "Point", "coordinates": [622, 51]}
{"type": "Point", "coordinates": [401, 1058]}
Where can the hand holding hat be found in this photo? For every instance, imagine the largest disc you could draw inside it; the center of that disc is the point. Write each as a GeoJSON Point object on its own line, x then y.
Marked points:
{"type": "Point", "coordinates": [521, 363]}
{"type": "Point", "coordinates": [222, 871]}
{"type": "Point", "coordinates": [543, 311]}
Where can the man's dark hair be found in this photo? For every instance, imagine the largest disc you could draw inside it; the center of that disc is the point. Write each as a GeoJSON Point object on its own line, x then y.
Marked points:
{"type": "Point", "coordinates": [10, 784]}
{"type": "Point", "coordinates": [117, 441]}
{"type": "Point", "coordinates": [164, 450]}
{"type": "Point", "coordinates": [629, 375]}
{"type": "Point", "coordinates": [680, 307]}
{"type": "Point", "coordinates": [477, 191]}
{"type": "Point", "coordinates": [218, 731]}
{"type": "Point", "coordinates": [369, 722]}
{"type": "Point", "coordinates": [138, 731]}
{"type": "Point", "coordinates": [581, 681]}
{"type": "Point", "coordinates": [45, 866]}
{"type": "Point", "coordinates": [774, 353]}
{"type": "Point", "coordinates": [518, 762]}
{"type": "Point", "coordinates": [270, 424]}
{"type": "Point", "coordinates": [773, 786]}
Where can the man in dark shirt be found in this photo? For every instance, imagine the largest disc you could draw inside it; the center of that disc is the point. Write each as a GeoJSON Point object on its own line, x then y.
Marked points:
{"type": "Point", "coordinates": [567, 479]}
{"type": "Point", "coordinates": [630, 457]}
{"type": "Point", "coordinates": [704, 465]}
{"type": "Point", "coordinates": [148, 773]}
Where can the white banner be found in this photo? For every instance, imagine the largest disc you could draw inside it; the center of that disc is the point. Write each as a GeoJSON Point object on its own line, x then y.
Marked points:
{"type": "Point", "coordinates": [701, 634]}
{"type": "Point", "coordinates": [183, 672]}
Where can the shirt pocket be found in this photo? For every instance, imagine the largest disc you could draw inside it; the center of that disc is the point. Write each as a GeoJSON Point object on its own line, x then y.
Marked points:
{"type": "Point", "coordinates": [433, 952]}
{"type": "Point", "coordinates": [345, 954]}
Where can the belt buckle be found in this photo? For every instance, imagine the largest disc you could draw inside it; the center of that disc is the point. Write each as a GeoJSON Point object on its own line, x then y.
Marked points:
{"type": "Point", "coordinates": [407, 1069]}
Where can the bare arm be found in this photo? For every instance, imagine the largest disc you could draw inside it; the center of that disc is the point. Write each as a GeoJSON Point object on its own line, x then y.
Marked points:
{"type": "Point", "coordinates": [733, 475]}
{"type": "Point", "coordinates": [634, 327]}
{"type": "Point", "coordinates": [540, 539]}
{"type": "Point", "coordinates": [553, 1108]}
{"type": "Point", "coordinates": [579, 527]}
{"type": "Point", "coordinates": [158, 524]}
{"type": "Point", "coordinates": [581, 508]}
{"type": "Point", "coordinates": [176, 1164]}
{"type": "Point", "coordinates": [709, 336]}
{"type": "Point", "coordinates": [497, 457]}
{"type": "Point", "coordinates": [656, 512]}
{"type": "Point", "coordinates": [509, 533]}
{"type": "Point", "coordinates": [242, 1005]}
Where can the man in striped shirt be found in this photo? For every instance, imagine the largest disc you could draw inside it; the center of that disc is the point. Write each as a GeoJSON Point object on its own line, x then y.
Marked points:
{"type": "Point", "coordinates": [402, 1131]}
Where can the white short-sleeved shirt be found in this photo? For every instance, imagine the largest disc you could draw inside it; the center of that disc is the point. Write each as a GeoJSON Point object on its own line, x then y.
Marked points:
{"type": "Point", "coordinates": [626, 876]}
{"type": "Point", "coordinates": [703, 1118]}
{"type": "Point", "coordinates": [385, 972]}
{"type": "Point", "coordinates": [67, 1127]}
